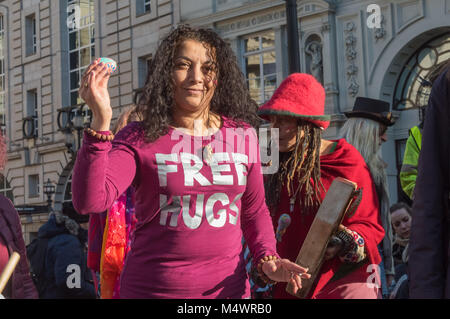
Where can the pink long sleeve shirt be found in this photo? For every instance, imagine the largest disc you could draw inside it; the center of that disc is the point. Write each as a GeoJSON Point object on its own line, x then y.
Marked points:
{"type": "Point", "coordinates": [191, 209]}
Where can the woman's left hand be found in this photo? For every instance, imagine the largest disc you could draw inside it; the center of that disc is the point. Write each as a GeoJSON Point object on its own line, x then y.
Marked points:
{"type": "Point", "coordinates": [284, 270]}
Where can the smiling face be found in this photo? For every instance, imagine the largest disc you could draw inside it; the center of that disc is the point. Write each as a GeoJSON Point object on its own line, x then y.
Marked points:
{"type": "Point", "coordinates": [194, 77]}
{"type": "Point", "coordinates": [288, 128]}
{"type": "Point", "coordinates": [401, 222]}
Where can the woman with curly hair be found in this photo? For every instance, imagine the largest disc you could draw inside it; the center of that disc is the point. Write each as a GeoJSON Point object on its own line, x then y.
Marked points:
{"type": "Point", "coordinates": [198, 184]}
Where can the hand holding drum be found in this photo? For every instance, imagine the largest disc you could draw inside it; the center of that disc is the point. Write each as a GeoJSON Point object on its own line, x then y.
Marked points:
{"type": "Point", "coordinates": [94, 91]}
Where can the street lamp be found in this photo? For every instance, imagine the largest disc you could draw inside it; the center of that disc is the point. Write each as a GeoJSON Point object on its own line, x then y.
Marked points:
{"type": "Point", "coordinates": [292, 36]}
{"type": "Point", "coordinates": [49, 190]}
{"type": "Point", "coordinates": [78, 123]}
{"type": "Point", "coordinates": [73, 119]}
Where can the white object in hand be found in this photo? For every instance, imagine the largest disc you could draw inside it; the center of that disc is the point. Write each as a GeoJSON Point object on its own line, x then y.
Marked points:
{"type": "Point", "coordinates": [110, 63]}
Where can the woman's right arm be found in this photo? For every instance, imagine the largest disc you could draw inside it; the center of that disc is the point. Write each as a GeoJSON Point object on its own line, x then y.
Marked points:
{"type": "Point", "coordinates": [101, 172]}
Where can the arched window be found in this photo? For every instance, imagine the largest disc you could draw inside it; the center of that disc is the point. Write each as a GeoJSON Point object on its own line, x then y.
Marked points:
{"type": "Point", "coordinates": [413, 87]}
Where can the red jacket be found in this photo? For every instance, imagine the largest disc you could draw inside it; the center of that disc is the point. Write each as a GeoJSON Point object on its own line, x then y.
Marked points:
{"type": "Point", "coordinates": [344, 162]}
{"type": "Point", "coordinates": [11, 232]}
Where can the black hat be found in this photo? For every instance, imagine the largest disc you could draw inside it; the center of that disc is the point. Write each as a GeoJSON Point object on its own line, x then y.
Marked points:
{"type": "Point", "coordinates": [373, 109]}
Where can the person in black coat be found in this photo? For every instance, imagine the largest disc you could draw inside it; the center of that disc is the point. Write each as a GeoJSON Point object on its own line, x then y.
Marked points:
{"type": "Point", "coordinates": [65, 269]}
{"type": "Point", "coordinates": [429, 255]}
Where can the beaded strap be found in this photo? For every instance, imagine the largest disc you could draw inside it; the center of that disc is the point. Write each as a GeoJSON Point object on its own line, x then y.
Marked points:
{"type": "Point", "coordinates": [261, 274]}
{"type": "Point", "coordinates": [354, 246]}
{"type": "Point", "coordinates": [101, 137]}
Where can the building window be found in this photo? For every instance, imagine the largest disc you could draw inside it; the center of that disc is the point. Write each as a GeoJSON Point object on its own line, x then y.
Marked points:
{"type": "Point", "coordinates": [143, 67]}
{"type": "Point", "coordinates": [413, 87]}
{"type": "Point", "coordinates": [5, 188]}
{"type": "Point", "coordinates": [81, 44]}
{"type": "Point", "coordinates": [147, 6]}
{"type": "Point", "coordinates": [143, 6]}
{"type": "Point", "coordinates": [32, 111]}
{"type": "Point", "coordinates": [260, 65]}
{"type": "Point", "coordinates": [33, 186]}
{"type": "Point", "coordinates": [31, 40]}
{"type": "Point", "coordinates": [2, 76]}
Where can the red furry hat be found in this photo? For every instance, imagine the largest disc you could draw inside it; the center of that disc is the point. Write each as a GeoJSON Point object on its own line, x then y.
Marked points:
{"type": "Point", "coordinates": [299, 95]}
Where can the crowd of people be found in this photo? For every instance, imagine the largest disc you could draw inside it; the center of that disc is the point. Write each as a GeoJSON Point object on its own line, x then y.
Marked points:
{"type": "Point", "coordinates": [177, 188]}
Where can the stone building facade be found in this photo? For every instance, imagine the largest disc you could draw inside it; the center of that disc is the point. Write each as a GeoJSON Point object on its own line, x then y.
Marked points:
{"type": "Point", "coordinates": [373, 48]}
{"type": "Point", "coordinates": [46, 45]}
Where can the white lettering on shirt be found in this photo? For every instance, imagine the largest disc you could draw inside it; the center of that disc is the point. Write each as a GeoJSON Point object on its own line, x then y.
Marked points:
{"type": "Point", "coordinates": [209, 210]}
{"type": "Point", "coordinates": [216, 168]}
{"type": "Point", "coordinates": [239, 162]}
{"type": "Point", "coordinates": [193, 222]}
{"type": "Point", "coordinates": [193, 172]}
{"type": "Point", "coordinates": [173, 208]}
{"type": "Point", "coordinates": [233, 207]}
{"type": "Point", "coordinates": [163, 168]}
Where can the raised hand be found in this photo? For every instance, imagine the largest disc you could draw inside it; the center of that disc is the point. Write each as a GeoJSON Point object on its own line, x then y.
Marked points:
{"type": "Point", "coordinates": [94, 91]}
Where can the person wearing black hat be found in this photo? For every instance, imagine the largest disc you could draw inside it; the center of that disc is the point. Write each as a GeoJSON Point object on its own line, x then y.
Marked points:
{"type": "Point", "coordinates": [366, 130]}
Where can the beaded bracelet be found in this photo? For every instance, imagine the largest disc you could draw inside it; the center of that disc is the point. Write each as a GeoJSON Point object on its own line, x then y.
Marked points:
{"type": "Point", "coordinates": [347, 240]}
{"type": "Point", "coordinates": [261, 273]}
{"type": "Point", "coordinates": [101, 137]}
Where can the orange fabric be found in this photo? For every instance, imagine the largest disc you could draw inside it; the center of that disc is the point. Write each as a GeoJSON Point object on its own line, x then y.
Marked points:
{"type": "Point", "coordinates": [113, 249]}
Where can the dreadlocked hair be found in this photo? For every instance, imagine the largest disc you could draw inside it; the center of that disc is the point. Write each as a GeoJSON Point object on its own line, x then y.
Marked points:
{"type": "Point", "coordinates": [155, 101]}
{"type": "Point", "coordinates": [303, 163]}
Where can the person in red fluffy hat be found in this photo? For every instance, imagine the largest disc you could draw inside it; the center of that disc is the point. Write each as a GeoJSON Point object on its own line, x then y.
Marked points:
{"type": "Point", "coordinates": [308, 165]}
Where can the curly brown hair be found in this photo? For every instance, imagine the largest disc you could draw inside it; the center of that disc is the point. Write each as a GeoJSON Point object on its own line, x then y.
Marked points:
{"type": "Point", "coordinates": [231, 98]}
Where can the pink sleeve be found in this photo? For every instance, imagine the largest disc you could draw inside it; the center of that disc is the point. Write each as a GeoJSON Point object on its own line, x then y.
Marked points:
{"type": "Point", "coordinates": [103, 171]}
{"type": "Point", "coordinates": [256, 221]}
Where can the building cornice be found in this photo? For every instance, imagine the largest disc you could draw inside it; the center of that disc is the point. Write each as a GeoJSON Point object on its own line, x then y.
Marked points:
{"type": "Point", "coordinates": [235, 12]}
{"type": "Point", "coordinates": [255, 7]}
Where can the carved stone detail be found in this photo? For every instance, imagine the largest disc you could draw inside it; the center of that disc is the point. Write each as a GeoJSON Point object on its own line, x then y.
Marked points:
{"type": "Point", "coordinates": [314, 50]}
{"type": "Point", "coordinates": [380, 32]}
{"type": "Point", "coordinates": [351, 53]}
{"type": "Point", "coordinates": [252, 21]}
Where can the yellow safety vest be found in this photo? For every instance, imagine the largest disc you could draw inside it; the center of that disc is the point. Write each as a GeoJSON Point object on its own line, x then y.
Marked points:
{"type": "Point", "coordinates": [408, 172]}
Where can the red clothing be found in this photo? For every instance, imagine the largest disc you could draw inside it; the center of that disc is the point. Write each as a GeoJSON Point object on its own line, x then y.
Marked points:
{"type": "Point", "coordinates": [4, 254]}
{"type": "Point", "coordinates": [351, 286]}
{"type": "Point", "coordinates": [4, 257]}
{"type": "Point", "coordinates": [21, 284]}
{"type": "Point", "coordinates": [344, 162]}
